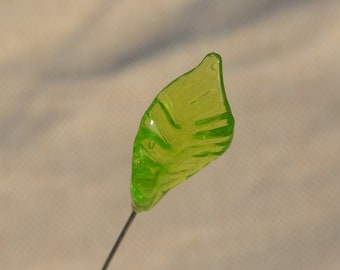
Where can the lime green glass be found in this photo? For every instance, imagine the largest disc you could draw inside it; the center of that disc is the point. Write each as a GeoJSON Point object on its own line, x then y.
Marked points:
{"type": "Point", "coordinates": [188, 125]}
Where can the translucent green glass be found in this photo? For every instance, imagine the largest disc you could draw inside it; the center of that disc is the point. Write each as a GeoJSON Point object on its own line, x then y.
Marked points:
{"type": "Point", "coordinates": [188, 125]}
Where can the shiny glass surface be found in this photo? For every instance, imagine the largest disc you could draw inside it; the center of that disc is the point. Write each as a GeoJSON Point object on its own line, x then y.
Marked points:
{"type": "Point", "coordinates": [188, 125]}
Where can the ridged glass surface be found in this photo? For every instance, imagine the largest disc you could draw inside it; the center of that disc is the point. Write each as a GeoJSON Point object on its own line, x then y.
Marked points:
{"type": "Point", "coordinates": [188, 125]}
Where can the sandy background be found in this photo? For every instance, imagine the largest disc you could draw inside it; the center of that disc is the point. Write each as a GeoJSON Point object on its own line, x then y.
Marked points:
{"type": "Point", "coordinates": [75, 79]}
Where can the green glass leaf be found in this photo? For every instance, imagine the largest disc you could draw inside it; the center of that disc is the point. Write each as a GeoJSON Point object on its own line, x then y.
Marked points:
{"type": "Point", "coordinates": [188, 125]}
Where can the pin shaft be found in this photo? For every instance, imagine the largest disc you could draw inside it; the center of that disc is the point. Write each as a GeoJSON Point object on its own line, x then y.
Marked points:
{"type": "Point", "coordinates": [119, 240]}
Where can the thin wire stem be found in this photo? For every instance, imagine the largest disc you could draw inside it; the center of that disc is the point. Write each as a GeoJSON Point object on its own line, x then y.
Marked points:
{"type": "Point", "coordinates": [119, 240]}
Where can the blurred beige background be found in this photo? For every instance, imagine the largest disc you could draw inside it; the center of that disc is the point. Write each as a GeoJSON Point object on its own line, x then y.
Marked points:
{"type": "Point", "coordinates": [75, 78]}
